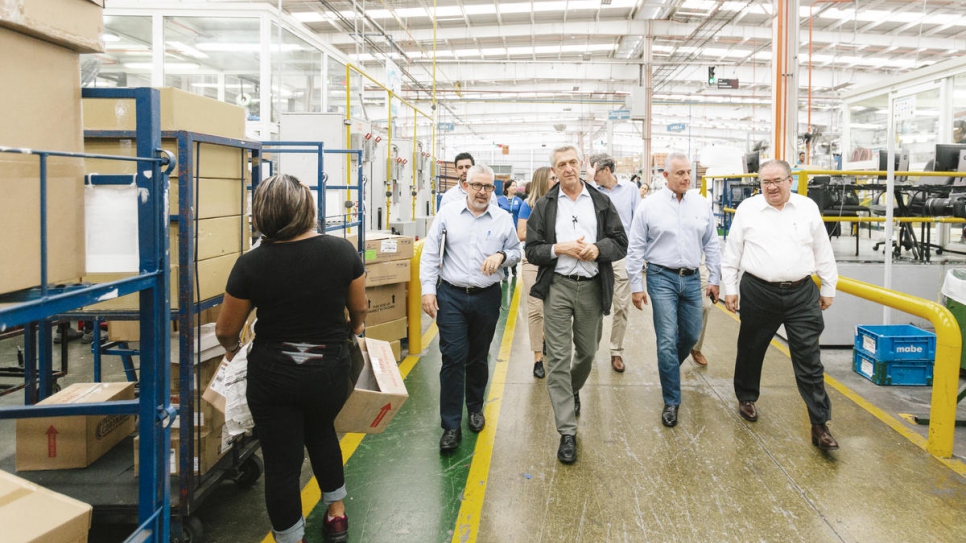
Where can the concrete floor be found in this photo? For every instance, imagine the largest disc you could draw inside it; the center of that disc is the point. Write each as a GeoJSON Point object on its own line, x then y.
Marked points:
{"type": "Point", "coordinates": [714, 477]}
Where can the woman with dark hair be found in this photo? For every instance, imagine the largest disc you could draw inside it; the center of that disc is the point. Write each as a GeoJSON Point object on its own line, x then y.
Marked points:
{"type": "Point", "coordinates": [543, 179]}
{"type": "Point", "coordinates": [509, 190]}
{"type": "Point", "coordinates": [303, 284]}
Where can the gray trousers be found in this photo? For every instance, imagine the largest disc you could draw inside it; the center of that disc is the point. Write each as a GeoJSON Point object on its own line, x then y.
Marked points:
{"type": "Point", "coordinates": [572, 326]}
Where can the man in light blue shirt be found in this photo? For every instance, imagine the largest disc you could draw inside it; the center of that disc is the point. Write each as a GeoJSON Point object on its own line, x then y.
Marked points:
{"type": "Point", "coordinates": [625, 197]}
{"type": "Point", "coordinates": [466, 250]}
{"type": "Point", "coordinates": [671, 230]}
{"type": "Point", "coordinates": [457, 193]}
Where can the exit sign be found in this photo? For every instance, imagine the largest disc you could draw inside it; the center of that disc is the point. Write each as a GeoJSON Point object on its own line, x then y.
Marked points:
{"type": "Point", "coordinates": [727, 83]}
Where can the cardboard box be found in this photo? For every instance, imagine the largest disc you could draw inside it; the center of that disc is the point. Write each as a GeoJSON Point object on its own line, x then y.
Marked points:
{"type": "Point", "coordinates": [73, 442]}
{"type": "Point", "coordinates": [210, 160]}
{"type": "Point", "coordinates": [389, 331]}
{"type": "Point", "coordinates": [127, 331]}
{"type": "Point", "coordinates": [386, 303]}
{"type": "Point", "coordinates": [180, 110]}
{"type": "Point", "coordinates": [206, 362]}
{"type": "Point", "coordinates": [46, 94]}
{"type": "Point", "coordinates": [216, 197]}
{"type": "Point", "coordinates": [216, 237]}
{"type": "Point", "coordinates": [212, 278]}
{"type": "Point", "coordinates": [31, 513]}
{"type": "Point", "coordinates": [74, 24]}
{"type": "Point", "coordinates": [396, 347]}
{"type": "Point", "coordinates": [209, 448]}
{"type": "Point", "coordinates": [378, 390]}
{"type": "Point", "coordinates": [382, 247]}
{"type": "Point", "coordinates": [387, 273]}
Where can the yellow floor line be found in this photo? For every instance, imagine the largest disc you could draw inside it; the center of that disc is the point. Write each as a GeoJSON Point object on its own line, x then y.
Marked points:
{"type": "Point", "coordinates": [311, 495]}
{"type": "Point", "coordinates": [468, 520]}
{"type": "Point", "coordinates": [890, 421]}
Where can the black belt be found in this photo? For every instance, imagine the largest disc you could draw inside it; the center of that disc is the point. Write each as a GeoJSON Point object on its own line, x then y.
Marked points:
{"type": "Point", "coordinates": [578, 278]}
{"type": "Point", "coordinates": [781, 284]}
{"type": "Point", "coordinates": [468, 290]}
{"type": "Point", "coordinates": [684, 272]}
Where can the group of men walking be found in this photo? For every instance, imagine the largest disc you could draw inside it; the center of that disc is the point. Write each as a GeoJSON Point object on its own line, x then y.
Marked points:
{"type": "Point", "coordinates": [594, 244]}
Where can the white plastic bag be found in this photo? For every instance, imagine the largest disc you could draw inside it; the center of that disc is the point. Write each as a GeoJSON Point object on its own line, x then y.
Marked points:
{"type": "Point", "coordinates": [238, 418]}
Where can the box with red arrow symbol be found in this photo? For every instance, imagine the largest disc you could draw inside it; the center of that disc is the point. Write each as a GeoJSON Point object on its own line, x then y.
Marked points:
{"type": "Point", "coordinates": [378, 391]}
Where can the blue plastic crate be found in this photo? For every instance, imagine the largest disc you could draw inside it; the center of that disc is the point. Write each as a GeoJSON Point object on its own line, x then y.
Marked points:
{"type": "Point", "coordinates": [893, 372]}
{"type": "Point", "coordinates": [895, 342]}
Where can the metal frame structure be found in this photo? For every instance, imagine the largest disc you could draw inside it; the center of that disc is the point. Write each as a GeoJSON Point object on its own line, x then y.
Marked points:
{"type": "Point", "coordinates": [34, 308]}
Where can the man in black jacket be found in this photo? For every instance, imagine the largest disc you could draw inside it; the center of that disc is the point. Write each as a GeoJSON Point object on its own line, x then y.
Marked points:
{"type": "Point", "coordinates": [573, 235]}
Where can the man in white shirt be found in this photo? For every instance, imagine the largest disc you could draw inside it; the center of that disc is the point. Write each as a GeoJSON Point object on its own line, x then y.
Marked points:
{"type": "Point", "coordinates": [458, 193]}
{"type": "Point", "coordinates": [625, 197]}
{"type": "Point", "coordinates": [778, 240]}
{"type": "Point", "coordinates": [671, 231]}
{"type": "Point", "coordinates": [467, 248]}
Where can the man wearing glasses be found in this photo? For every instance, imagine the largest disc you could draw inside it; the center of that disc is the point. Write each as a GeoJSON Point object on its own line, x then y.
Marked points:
{"type": "Point", "coordinates": [463, 161]}
{"type": "Point", "coordinates": [461, 267]}
{"type": "Point", "coordinates": [671, 230]}
{"type": "Point", "coordinates": [574, 235]}
{"type": "Point", "coordinates": [778, 240]}
{"type": "Point", "coordinates": [625, 197]}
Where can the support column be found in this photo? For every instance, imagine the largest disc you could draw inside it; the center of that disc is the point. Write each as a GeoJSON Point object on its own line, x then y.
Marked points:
{"type": "Point", "coordinates": [785, 45]}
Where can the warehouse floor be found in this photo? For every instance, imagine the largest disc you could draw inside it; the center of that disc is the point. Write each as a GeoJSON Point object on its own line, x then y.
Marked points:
{"type": "Point", "coordinates": [714, 477]}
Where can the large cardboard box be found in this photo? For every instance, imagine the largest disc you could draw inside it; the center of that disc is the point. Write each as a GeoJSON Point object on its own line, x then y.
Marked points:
{"type": "Point", "coordinates": [180, 110]}
{"type": "Point", "coordinates": [382, 247]}
{"type": "Point", "coordinates": [44, 92]}
{"type": "Point", "coordinates": [46, 443]}
{"type": "Point", "coordinates": [387, 273]}
{"type": "Point", "coordinates": [205, 361]}
{"type": "Point", "coordinates": [386, 303]}
{"type": "Point", "coordinates": [209, 448]}
{"type": "Point", "coordinates": [74, 24]}
{"type": "Point", "coordinates": [216, 237]}
{"type": "Point", "coordinates": [210, 160]}
{"type": "Point", "coordinates": [211, 280]}
{"type": "Point", "coordinates": [389, 331]}
{"type": "Point", "coordinates": [31, 513]}
{"type": "Point", "coordinates": [378, 392]}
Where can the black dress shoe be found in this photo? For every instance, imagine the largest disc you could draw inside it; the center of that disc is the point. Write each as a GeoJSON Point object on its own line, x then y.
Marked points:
{"type": "Point", "coordinates": [576, 404]}
{"type": "Point", "coordinates": [538, 370]}
{"type": "Point", "coordinates": [669, 417]}
{"type": "Point", "coordinates": [477, 421]}
{"type": "Point", "coordinates": [748, 411]}
{"type": "Point", "coordinates": [823, 439]}
{"type": "Point", "coordinates": [567, 452]}
{"type": "Point", "coordinates": [450, 440]}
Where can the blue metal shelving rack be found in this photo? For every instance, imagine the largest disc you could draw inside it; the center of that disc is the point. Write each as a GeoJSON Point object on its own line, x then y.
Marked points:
{"type": "Point", "coordinates": [34, 309]}
{"type": "Point", "coordinates": [239, 465]}
{"type": "Point", "coordinates": [318, 148]}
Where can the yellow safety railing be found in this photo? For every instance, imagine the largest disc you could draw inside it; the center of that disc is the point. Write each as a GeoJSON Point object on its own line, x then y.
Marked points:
{"type": "Point", "coordinates": [945, 379]}
{"type": "Point", "coordinates": [415, 310]}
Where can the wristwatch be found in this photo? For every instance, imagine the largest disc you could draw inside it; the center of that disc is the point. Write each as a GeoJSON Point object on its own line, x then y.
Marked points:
{"type": "Point", "coordinates": [504, 256]}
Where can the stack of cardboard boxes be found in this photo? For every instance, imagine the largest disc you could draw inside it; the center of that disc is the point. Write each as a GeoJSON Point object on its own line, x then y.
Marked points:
{"type": "Point", "coordinates": [40, 46]}
{"type": "Point", "coordinates": [222, 231]}
{"type": "Point", "coordinates": [387, 259]}
{"type": "Point", "coordinates": [209, 422]}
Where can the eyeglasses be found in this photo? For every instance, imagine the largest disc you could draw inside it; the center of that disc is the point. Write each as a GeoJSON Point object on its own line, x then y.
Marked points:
{"type": "Point", "coordinates": [480, 186]}
{"type": "Point", "coordinates": [774, 182]}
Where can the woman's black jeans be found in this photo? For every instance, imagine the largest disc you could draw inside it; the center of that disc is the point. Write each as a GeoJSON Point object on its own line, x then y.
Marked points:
{"type": "Point", "coordinates": [295, 392]}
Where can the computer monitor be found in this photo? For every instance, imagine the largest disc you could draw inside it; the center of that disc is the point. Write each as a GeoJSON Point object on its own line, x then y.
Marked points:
{"type": "Point", "coordinates": [951, 157]}
{"type": "Point", "coordinates": [900, 163]}
{"type": "Point", "coordinates": [751, 163]}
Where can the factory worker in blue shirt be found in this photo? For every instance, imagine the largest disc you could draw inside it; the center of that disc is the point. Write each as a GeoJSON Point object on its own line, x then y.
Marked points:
{"type": "Point", "coordinates": [670, 231]}
{"type": "Point", "coordinates": [466, 250]}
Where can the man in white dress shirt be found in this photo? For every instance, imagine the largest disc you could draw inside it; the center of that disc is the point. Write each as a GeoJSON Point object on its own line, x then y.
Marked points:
{"type": "Point", "coordinates": [458, 193]}
{"type": "Point", "coordinates": [467, 248]}
{"type": "Point", "coordinates": [778, 240]}
{"type": "Point", "coordinates": [672, 228]}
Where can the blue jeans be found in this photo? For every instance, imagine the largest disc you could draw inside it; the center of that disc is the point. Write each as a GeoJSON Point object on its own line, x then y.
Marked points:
{"type": "Point", "coordinates": [466, 324]}
{"type": "Point", "coordinates": [676, 305]}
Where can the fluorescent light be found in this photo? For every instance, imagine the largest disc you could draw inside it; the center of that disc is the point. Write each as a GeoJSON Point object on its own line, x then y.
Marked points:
{"type": "Point", "coordinates": [108, 37]}
{"type": "Point", "coordinates": [250, 47]}
{"type": "Point", "coordinates": [172, 66]}
{"type": "Point", "coordinates": [186, 49]}
{"type": "Point", "coordinates": [311, 16]}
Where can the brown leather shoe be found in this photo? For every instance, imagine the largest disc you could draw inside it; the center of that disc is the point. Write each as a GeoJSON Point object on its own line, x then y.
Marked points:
{"type": "Point", "coordinates": [699, 358]}
{"type": "Point", "coordinates": [748, 411]}
{"type": "Point", "coordinates": [823, 439]}
{"type": "Point", "coordinates": [617, 363]}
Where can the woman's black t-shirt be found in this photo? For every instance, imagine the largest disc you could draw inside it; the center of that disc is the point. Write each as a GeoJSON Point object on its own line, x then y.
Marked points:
{"type": "Point", "coordinates": [299, 288]}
